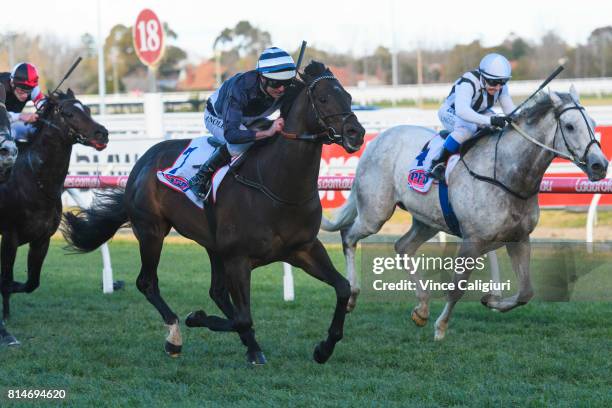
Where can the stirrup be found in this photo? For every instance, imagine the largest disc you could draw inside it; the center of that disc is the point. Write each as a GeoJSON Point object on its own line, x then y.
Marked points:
{"type": "Point", "coordinates": [201, 188]}
{"type": "Point", "coordinates": [437, 171]}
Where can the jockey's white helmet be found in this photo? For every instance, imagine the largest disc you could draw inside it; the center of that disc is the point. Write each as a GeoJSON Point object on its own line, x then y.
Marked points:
{"type": "Point", "coordinates": [495, 66]}
{"type": "Point", "coordinates": [275, 63]}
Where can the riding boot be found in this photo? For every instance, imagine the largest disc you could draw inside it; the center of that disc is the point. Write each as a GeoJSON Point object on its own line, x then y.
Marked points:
{"type": "Point", "coordinates": [200, 183]}
{"type": "Point", "coordinates": [438, 166]}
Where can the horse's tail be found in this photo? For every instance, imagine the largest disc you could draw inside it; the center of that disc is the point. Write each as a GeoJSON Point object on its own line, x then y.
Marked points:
{"type": "Point", "coordinates": [89, 228]}
{"type": "Point", "coordinates": [344, 217]}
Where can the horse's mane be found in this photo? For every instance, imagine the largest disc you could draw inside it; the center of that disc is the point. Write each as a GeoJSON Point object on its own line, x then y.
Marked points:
{"type": "Point", "coordinates": [312, 71]}
{"type": "Point", "coordinates": [542, 104]}
{"type": "Point", "coordinates": [47, 109]}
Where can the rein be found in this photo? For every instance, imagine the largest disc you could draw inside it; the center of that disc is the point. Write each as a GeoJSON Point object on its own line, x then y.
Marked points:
{"type": "Point", "coordinates": [327, 136]}
{"type": "Point", "coordinates": [571, 157]}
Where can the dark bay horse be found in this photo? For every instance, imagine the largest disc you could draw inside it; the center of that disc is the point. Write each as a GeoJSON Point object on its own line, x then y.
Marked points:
{"type": "Point", "coordinates": [30, 200]}
{"type": "Point", "coordinates": [268, 212]}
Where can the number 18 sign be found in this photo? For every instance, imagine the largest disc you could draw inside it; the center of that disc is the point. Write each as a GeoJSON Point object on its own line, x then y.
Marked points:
{"type": "Point", "coordinates": [148, 35]}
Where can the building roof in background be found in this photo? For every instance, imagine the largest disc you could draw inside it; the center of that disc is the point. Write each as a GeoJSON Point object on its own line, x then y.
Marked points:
{"type": "Point", "coordinates": [198, 77]}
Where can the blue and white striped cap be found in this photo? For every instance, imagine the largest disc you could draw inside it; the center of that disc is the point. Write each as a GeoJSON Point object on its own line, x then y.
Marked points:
{"type": "Point", "coordinates": [275, 63]}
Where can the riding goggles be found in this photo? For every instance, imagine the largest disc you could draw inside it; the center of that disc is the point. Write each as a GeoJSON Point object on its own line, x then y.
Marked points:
{"type": "Point", "coordinates": [496, 82]}
{"type": "Point", "coordinates": [277, 83]}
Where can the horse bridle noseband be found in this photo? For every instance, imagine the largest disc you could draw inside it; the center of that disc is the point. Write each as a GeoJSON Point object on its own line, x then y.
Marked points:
{"type": "Point", "coordinates": [329, 135]}
{"type": "Point", "coordinates": [58, 109]}
{"type": "Point", "coordinates": [581, 162]}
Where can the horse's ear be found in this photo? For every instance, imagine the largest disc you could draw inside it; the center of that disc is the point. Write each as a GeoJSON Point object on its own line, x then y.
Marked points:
{"type": "Point", "coordinates": [555, 99]}
{"type": "Point", "coordinates": [574, 94]}
{"type": "Point", "coordinates": [70, 93]}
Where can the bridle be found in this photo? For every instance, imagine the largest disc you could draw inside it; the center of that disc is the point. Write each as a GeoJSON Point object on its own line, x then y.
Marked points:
{"type": "Point", "coordinates": [329, 134]}
{"type": "Point", "coordinates": [58, 110]}
{"type": "Point", "coordinates": [579, 161]}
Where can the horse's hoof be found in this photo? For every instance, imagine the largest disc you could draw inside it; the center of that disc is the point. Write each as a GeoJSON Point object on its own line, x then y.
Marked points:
{"type": "Point", "coordinates": [256, 358]}
{"type": "Point", "coordinates": [319, 354]}
{"type": "Point", "coordinates": [172, 349]}
{"type": "Point", "coordinates": [9, 340]}
{"type": "Point", "coordinates": [352, 302]}
{"type": "Point", "coordinates": [490, 301]}
{"type": "Point", "coordinates": [418, 319]}
{"type": "Point", "coordinates": [196, 319]}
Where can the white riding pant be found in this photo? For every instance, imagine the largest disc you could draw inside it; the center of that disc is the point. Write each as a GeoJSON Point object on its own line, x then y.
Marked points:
{"type": "Point", "coordinates": [460, 129]}
{"type": "Point", "coordinates": [215, 127]}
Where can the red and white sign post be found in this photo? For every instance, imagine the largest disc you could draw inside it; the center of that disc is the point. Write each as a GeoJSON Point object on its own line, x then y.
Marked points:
{"type": "Point", "coordinates": [149, 42]}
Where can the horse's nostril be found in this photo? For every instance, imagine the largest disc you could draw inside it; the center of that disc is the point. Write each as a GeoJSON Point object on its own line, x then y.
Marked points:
{"type": "Point", "coordinates": [597, 167]}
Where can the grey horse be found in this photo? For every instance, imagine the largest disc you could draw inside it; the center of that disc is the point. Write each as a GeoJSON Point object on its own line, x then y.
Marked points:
{"type": "Point", "coordinates": [490, 215]}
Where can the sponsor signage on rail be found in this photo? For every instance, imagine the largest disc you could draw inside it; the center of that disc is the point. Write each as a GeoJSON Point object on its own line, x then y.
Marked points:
{"type": "Point", "coordinates": [148, 35]}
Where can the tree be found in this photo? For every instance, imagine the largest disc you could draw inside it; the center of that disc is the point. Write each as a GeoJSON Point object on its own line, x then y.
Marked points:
{"type": "Point", "coordinates": [239, 47]}
{"type": "Point", "coordinates": [600, 45]}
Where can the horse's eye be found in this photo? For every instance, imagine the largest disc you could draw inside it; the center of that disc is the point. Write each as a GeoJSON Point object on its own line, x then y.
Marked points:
{"type": "Point", "coordinates": [323, 99]}
{"type": "Point", "coordinates": [569, 127]}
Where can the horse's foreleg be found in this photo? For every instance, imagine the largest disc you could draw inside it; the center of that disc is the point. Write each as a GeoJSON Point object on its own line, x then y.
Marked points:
{"type": "Point", "coordinates": [315, 261]}
{"type": "Point", "coordinates": [237, 272]}
{"type": "Point", "coordinates": [467, 250]}
{"type": "Point", "coordinates": [36, 257]}
{"type": "Point", "coordinates": [408, 244]}
{"type": "Point", "coordinates": [8, 252]}
{"type": "Point", "coordinates": [520, 254]}
{"type": "Point", "coordinates": [150, 251]}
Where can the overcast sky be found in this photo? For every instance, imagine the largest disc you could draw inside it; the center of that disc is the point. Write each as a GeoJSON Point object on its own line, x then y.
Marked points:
{"type": "Point", "coordinates": [353, 26]}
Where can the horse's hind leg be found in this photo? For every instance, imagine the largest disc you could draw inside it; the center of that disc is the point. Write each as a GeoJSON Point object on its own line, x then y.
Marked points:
{"type": "Point", "coordinates": [150, 240]}
{"type": "Point", "coordinates": [314, 260]}
{"type": "Point", "coordinates": [408, 244]}
{"type": "Point", "coordinates": [370, 218]}
{"type": "Point", "coordinates": [520, 254]}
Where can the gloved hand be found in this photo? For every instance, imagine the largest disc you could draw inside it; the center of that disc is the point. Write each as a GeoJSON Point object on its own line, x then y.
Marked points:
{"type": "Point", "coordinates": [500, 121]}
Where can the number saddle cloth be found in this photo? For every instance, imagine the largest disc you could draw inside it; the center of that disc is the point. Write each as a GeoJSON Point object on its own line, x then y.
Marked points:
{"type": "Point", "coordinates": [418, 173]}
{"type": "Point", "coordinates": [186, 166]}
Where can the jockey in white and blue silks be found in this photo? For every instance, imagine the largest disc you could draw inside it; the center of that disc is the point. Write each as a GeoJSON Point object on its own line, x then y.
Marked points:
{"type": "Point", "coordinates": [468, 106]}
{"type": "Point", "coordinates": [21, 86]}
{"type": "Point", "coordinates": [239, 102]}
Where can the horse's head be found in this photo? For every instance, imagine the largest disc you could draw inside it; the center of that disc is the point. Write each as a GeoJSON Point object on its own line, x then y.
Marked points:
{"type": "Point", "coordinates": [8, 149]}
{"type": "Point", "coordinates": [63, 111]}
{"type": "Point", "coordinates": [575, 135]}
{"type": "Point", "coordinates": [329, 112]}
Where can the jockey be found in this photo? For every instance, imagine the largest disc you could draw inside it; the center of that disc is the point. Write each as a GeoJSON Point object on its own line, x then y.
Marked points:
{"type": "Point", "coordinates": [239, 102]}
{"type": "Point", "coordinates": [22, 86]}
{"type": "Point", "coordinates": [468, 106]}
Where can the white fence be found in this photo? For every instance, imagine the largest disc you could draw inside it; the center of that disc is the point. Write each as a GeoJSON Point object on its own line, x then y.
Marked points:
{"type": "Point", "coordinates": [371, 94]}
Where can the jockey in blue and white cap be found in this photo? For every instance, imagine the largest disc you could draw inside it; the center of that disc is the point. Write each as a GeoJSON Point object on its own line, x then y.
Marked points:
{"type": "Point", "coordinates": [468, 106]}
{"type": "Point", "coordinates": [240, 101]}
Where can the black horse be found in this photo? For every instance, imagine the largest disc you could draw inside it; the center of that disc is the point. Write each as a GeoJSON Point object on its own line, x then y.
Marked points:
{"type": "Point", "coordinates": [30, 200]}
{"type": "Point", "coordinates": [268, 211]}
{"type": "Point", "coordinates": [8, 149]}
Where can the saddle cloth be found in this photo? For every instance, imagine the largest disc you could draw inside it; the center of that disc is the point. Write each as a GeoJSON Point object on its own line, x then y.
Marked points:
{"type": "Point", "coordinates": [418, 176]}
{"type": "Point", "coordinates": [186, 166]}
